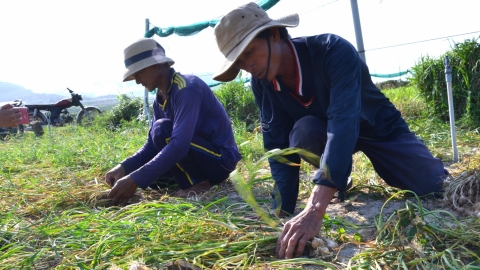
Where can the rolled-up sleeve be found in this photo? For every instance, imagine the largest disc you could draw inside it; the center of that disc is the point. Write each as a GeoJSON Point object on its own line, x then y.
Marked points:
{"type": "Point", "coordinates": [343, 70]}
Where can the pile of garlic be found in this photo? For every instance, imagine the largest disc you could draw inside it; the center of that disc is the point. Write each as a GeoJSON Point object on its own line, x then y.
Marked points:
{"type": "Point", "coordinates": [463, 192]}
{"type": "Point", "coordinates": [322, 246]}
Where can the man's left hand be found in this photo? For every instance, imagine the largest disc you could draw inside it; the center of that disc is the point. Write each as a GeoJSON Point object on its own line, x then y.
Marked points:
{"type": "Point", "coordinates": [122, 191]}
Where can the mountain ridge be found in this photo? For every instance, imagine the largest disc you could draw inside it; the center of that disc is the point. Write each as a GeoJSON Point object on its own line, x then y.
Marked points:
{"type": "Point", "coordinates": [10, 92]}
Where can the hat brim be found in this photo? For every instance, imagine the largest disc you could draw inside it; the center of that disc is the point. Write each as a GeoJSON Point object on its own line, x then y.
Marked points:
{"type": "Point", "coordinates": [150, 61]}
{"type": "Point", "coordinates": [229, 71]}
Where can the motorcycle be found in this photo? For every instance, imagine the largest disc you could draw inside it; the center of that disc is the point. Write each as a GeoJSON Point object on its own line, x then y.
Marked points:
{"type": "Point", "coordinates": [7, 133]}
{"type": "Point", "coordinates": [56, 114]}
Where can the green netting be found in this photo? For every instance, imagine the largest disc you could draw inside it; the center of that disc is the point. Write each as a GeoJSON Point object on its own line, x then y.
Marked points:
{"type": "Point", "coordinates": [192, 29]}
{"type": "Point", "coordinates": [392, 75]}
{"type": "Point", "coordinates": [213, 83]}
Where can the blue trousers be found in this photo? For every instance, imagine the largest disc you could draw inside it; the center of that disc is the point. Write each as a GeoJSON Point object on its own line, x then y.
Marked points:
{"type": "Point", "coordinates": [403, 162]}
{"type": "Point", "coordinates": [199, 165]}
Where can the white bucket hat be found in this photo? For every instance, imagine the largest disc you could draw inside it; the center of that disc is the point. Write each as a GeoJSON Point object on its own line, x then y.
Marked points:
{"type": "Point", "coordinates": [143, 53]}
{"type": "Point", "coordinates": [237, 29]}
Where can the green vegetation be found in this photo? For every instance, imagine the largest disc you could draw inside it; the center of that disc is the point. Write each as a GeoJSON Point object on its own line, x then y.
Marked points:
{"type": "Point", "coordinates": [429, 78]}
{"type": "Point", "coordinates": [54, 213]}
{"type": "Point", "coordinates": [391, 84]}
{"type": "Point", "coordinates": [239, 103]}
{"type": "Point", "coordinates": [127, 110]}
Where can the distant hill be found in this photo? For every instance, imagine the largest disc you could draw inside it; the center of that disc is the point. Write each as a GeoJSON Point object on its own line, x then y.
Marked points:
{"type": "Point", "coordinates": [11, 92]}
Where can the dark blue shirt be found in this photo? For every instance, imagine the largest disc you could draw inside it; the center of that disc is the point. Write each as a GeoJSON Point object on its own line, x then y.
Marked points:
{"type": "Point", "coordinates": [334, 84]}
{"type": "Point", "coordinates": [194, 110]}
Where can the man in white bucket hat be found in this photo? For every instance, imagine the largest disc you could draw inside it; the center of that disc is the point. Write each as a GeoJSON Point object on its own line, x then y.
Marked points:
{"type": "Point", "coordinates": [315, 93]}
{"type": "Point", "coordinates": [191, 139]}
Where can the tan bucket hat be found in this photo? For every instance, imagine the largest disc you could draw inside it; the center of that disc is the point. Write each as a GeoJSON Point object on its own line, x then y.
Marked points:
{"type": "Point", "coordinates": [143, 53]}
{"type": "Point", "coordinates": [237, 29]}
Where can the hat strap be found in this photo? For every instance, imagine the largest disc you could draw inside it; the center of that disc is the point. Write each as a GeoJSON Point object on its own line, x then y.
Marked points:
{"type": "Point", "coordinates": [269, 54]}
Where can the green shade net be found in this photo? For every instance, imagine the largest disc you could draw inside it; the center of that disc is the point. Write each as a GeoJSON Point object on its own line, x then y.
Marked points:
{"type": "Point", "coordinates": [192, 29]}
{"type": "Point", "coordinates": [207, 77]}
{"type": "Point", "coordinates": [392, 75]}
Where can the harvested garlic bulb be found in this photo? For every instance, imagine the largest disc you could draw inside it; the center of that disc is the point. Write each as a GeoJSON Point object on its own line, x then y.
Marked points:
{"type": "Point", "coordinates": [317, 242]}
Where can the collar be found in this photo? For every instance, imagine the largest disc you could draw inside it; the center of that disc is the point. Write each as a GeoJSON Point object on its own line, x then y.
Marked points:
{"type": "Point", "coordinates": [169, 88]}
{"type": "Point", "coordinates": [298, 71]}
{"type": "Point", "coordinates": [170, 82]}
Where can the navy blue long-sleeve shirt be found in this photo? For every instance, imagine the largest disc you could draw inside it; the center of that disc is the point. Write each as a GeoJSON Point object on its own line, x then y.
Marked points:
{"type": "Point", "coordinates": [334, 84]}
{"type": "Point", "coordinates": [194, 109]}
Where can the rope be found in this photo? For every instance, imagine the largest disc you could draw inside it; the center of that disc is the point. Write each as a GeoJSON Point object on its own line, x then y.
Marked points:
{"type": "Point", "coordinates": [391, 75]}
{"type": "Point", "coordinates": [192, 29]}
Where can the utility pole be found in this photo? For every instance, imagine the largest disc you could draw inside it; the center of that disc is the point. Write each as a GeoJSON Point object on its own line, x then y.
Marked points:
{"type": "Point", "coordinates": [146, 110]}
{"type": "Point", "coordinates": [358, 30]}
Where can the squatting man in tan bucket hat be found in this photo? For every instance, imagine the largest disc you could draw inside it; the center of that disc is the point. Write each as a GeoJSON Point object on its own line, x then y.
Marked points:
{"type": "Point", "coordinates": [190, 141]}
{"type": "Point", "coordinates": [315, 93]}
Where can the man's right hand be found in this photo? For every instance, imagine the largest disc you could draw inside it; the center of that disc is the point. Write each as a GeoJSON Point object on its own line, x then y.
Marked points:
{"type": "Point", "coordinates": [114, 174]}
{"type": "Point", "coordinates": [9, 116]}
{"type": "Point", "coordinates": [305, 225]}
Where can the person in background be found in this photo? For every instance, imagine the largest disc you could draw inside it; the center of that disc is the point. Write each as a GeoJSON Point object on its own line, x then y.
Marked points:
{"type": "Point", "coordinates": [191, 138]}
{"type": "Point", "coordinates": [315, 93]}
{"type": "Point", "coordinates": [9, 116]}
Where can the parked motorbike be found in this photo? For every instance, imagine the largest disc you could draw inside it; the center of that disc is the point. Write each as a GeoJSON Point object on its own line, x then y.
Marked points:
{"type": "Point", "coordinates": [57, 114]}
{"type": "Point", "coordinates": [7, 133]}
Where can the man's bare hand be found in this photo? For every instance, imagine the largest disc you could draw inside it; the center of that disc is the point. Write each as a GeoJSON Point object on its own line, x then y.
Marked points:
{"type": "Point", "coordinates": [114, 174]}
{"type": "Point", "coordinates": [122, 191]}
{"type": "Point", "coordinates": [9, 116]}
{"type": "Point", "coordinates": [305, 225]}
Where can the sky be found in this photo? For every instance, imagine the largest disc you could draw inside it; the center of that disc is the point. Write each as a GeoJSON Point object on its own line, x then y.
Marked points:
{"type": "Point", "coordinates": [49, 45]}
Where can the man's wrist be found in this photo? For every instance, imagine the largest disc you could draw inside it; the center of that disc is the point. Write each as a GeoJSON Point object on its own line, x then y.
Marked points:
{"type": "Point", "coordinates": [318, 208]}
{"type": "Point", "coordinates": [121, 167]}
{"type": "Point", "coordinates": [320, 198]}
